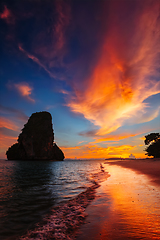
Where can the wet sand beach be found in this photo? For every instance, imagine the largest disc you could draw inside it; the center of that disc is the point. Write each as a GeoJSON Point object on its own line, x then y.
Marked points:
{"type": "Point", "coordinates": [151, 167]}
{"type": "Point", "coordinates": [127, 204]}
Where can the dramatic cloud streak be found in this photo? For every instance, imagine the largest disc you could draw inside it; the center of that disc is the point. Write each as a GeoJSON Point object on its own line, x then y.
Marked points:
{"type": "Point", "coordinates": [49, 44]}
{"type": "Point", "coordinates": [6, 123]}
{"type": "Point", "coordinates": [126, 72]}
{"type": "Point", "coordinates": [35, 59]}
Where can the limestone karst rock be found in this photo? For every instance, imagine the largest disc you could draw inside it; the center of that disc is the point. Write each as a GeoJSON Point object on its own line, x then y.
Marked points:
{"type": "Point", "coordinates": [35, 142]}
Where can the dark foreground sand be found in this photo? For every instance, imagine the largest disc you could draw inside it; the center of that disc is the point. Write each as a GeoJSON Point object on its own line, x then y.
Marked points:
{"type": "Point", "coordinates": [150, 167]}
{"type": "Point", "coordinates": [100, 215]}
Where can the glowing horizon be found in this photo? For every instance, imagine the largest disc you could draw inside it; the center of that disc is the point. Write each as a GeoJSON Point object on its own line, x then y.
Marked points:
{"type": "Point", "coordinates": [93, 66]}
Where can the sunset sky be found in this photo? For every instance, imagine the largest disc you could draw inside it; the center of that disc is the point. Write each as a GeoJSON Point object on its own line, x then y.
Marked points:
{"type": "Point", "coordinates": [93, 64]}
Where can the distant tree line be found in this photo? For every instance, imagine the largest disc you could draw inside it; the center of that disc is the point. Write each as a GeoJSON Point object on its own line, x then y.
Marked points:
{"type": "Point", "coordinates": [153, 140]}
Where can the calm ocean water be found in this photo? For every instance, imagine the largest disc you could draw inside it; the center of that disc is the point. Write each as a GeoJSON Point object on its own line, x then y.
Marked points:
{"type": "Point", "coordinates": [30, 189]}
{"type": "Point", "coordinates": [39, 200]}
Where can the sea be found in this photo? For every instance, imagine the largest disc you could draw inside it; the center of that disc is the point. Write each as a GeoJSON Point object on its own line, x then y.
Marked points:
{"type": "Point", "coordinates": [48, 199]}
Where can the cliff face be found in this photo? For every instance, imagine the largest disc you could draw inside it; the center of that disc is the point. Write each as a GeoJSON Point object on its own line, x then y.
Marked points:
{"type": "Point", "coordinates": [36, 140]}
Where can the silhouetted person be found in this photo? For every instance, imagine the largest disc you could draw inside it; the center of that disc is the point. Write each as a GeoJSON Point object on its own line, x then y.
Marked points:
{"type": "Point", "coordinates": [101, 167]}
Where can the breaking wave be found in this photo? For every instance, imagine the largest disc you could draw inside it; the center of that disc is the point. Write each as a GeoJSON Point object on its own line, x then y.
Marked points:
{"type": "Point", "coordinates": [65, 219]}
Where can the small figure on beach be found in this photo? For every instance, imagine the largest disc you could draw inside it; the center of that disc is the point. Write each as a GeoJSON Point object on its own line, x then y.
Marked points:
{"type": "Point", "coordinates": [101, 167]}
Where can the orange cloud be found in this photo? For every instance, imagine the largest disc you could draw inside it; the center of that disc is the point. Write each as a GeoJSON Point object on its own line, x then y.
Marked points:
{"type": "Point", "coordinates": [70, 148]}
{"type": "Point", "coordinates": [120, 136]}
{"type": "Point", "coordinates": [124, 75]}
{"type": "Point", "coordinates": [82, 142]}
{"type": "Point", "coordinates": [116, 137]}
{"type": "Point", "coordinates": [6, 123]}
{"type": "Point", "coordinates": [94, 151]}
{"type": "Point", "coordinates": [25, 90]}
{"type": "Point", "coordinates": [5, 139]}
{"type": "Point", "coordinates": [5, 143]}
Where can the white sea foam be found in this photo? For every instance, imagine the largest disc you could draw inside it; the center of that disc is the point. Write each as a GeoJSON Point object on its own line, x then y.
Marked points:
{"type": "Point", "coordinates": [64, 220]}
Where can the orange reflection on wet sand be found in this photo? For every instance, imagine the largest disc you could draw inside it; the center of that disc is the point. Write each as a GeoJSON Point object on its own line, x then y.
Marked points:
{"type": "Point", "coordinates": [137, 205]}
{"type": "Point", "coordinates": [127, 207]}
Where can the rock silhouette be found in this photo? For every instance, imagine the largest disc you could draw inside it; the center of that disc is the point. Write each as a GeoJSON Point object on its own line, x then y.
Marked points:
{"type": "Point", "coordinates": [35, 142]}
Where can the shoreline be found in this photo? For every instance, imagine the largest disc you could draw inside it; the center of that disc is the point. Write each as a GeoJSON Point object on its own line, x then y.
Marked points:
{"type": "Point", "coordinates": [65, 219]}
{"type": "Point", "coordinates": [149, 167]}
{"type": "Point", "coordinates": [119, 196]}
